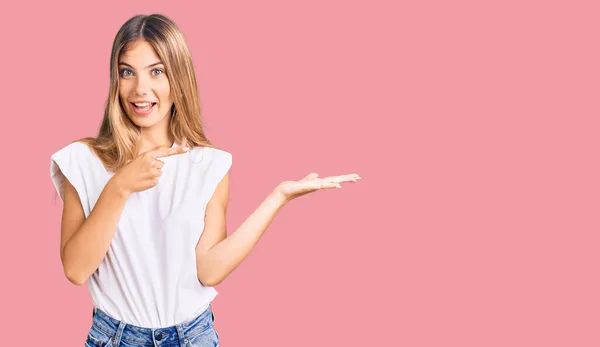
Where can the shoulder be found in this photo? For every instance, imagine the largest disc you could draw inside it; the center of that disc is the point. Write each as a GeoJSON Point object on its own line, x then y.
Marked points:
{"type": "Point", "coordinates": [74, 157]}
{"type": "Point", "coordinates": [217, 163]}
{"type": "Point", "coordinates": [72, 149]}
{"type": "Point", "coordinates": [216, 154]}
{"type": "Point", "coordinates": [65, 163]}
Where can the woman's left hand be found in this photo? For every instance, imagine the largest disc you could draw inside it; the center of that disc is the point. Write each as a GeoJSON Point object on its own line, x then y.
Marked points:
{"type": "Point", "coordinates": [289, 190]}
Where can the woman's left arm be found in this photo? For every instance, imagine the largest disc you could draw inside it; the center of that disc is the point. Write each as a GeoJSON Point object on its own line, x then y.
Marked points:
{"type": "Point", "coordinates": [218, 255]}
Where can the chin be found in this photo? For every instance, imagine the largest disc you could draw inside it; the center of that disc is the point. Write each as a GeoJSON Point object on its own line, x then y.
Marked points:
{"type": "Point", "coordinates": [145, 121]}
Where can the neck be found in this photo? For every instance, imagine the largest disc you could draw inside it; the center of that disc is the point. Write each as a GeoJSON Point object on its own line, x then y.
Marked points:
{"type": "Point", "coordinates": [149, 140]}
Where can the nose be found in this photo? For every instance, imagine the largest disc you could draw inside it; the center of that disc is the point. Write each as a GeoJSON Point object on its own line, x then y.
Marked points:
{"type": "Point", "coordinates": [142, 85]}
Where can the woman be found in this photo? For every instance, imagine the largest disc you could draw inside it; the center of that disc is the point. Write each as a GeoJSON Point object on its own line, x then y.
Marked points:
{"type": "Point", "coordinates": [145, 201]}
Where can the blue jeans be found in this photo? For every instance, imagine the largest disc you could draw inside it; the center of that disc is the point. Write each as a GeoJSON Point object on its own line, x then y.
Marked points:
{"type": "Point", "coordinates": [109, 332]}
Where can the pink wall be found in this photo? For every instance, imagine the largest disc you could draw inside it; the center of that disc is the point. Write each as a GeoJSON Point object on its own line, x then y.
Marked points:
{"type": "Point", "coordinates": [474, 128]}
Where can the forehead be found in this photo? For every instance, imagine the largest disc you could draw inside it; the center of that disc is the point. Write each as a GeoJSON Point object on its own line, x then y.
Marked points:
{"type": "Point", "coordinates": [139, 53]}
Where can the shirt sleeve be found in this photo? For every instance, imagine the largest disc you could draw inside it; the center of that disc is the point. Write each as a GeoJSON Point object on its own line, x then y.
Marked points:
{"type": "Point", "coordinates": [220, 164]}
{"type": "Point", "coordinates": [64, 165]}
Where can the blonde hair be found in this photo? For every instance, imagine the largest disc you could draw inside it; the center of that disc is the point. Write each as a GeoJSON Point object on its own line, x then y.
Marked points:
{"type": "Point", "coordinates": [117, 140]}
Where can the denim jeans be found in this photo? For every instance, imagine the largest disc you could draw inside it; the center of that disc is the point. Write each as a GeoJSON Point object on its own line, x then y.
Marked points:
{"type": "Point", "coordinates": [109, 332]}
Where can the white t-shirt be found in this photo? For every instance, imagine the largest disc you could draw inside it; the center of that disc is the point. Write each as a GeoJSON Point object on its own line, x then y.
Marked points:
{"type": "Point", "coordinates": [148, 276]}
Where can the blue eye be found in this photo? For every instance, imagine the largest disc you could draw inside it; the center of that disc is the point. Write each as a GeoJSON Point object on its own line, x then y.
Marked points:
{"type": "Point", "coordinates": [123, 72]}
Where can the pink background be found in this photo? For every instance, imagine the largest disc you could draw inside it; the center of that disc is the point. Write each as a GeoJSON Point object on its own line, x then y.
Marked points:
{"type": "Point", "coordinates": [474, 126]}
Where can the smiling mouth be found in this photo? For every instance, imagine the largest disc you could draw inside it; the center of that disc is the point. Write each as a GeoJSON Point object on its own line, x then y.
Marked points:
{"type": "Point", "coordinates": [145, 108]}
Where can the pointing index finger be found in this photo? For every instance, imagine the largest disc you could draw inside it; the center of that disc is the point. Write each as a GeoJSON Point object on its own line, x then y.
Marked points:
{"type": "Point", "coordinates": [161, 152]}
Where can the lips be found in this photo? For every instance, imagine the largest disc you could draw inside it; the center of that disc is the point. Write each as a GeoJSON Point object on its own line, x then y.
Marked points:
{"type": "Point", "coordinates": [142, 103]}
{"type": "Point", "coordinates": [143, 111]}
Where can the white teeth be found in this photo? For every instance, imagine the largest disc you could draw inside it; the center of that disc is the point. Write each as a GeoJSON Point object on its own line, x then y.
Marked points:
{"type": "Point", "coordinates": [144, 104]}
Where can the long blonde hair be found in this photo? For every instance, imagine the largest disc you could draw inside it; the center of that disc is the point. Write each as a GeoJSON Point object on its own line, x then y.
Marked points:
{"type": "Point", "coordinates": [117, 140]}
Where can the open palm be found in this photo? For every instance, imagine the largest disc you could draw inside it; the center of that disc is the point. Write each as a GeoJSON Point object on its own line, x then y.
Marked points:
{"type": "Point", "coordinates": [311, 183]}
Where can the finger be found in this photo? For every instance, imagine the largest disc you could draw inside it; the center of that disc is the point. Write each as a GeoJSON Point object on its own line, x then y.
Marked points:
{"type": "Point", "coordinates": [156, 172]}
{"type": "Point", "coordinates": [157, 163]}
{"type": "Point", "coordinates": [343, 178]}
{"type": "Point", "coordinates": [161, 152]}
{"type": "Point", "coordinates": [336, 179]}
{"type": "Point", "coordinates": [329, 184]}
{"type": "Point", "coordinates": [310, 176]}
{"type": "Point", "coordinates": [318, 182]}
{"type": "Point", "coordinates": [348, 176]}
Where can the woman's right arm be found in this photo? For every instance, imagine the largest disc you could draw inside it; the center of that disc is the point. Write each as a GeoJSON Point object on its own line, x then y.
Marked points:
{"type": "Point", "coordinates": [84, 242]}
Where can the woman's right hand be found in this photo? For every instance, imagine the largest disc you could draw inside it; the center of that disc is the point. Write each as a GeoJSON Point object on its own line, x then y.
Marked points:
{"type": "Point", "coordinates": [143, 172]}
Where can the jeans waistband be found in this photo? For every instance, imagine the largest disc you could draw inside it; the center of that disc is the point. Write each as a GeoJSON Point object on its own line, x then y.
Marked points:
{"type": "Point", "coordinates": [132, 334]}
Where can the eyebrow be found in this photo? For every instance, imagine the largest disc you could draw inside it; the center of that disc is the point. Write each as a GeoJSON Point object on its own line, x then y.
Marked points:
{"type": "Point", "coordinates": [149, 66]}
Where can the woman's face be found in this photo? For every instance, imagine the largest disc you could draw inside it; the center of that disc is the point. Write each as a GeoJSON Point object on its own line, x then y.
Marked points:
{"type": "Point", "coordinates": [144, 87]}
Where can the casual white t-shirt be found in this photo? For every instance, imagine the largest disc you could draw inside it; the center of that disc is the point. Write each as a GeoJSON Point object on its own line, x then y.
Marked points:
{"type": "Point", "coordinates": [148, 276]}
